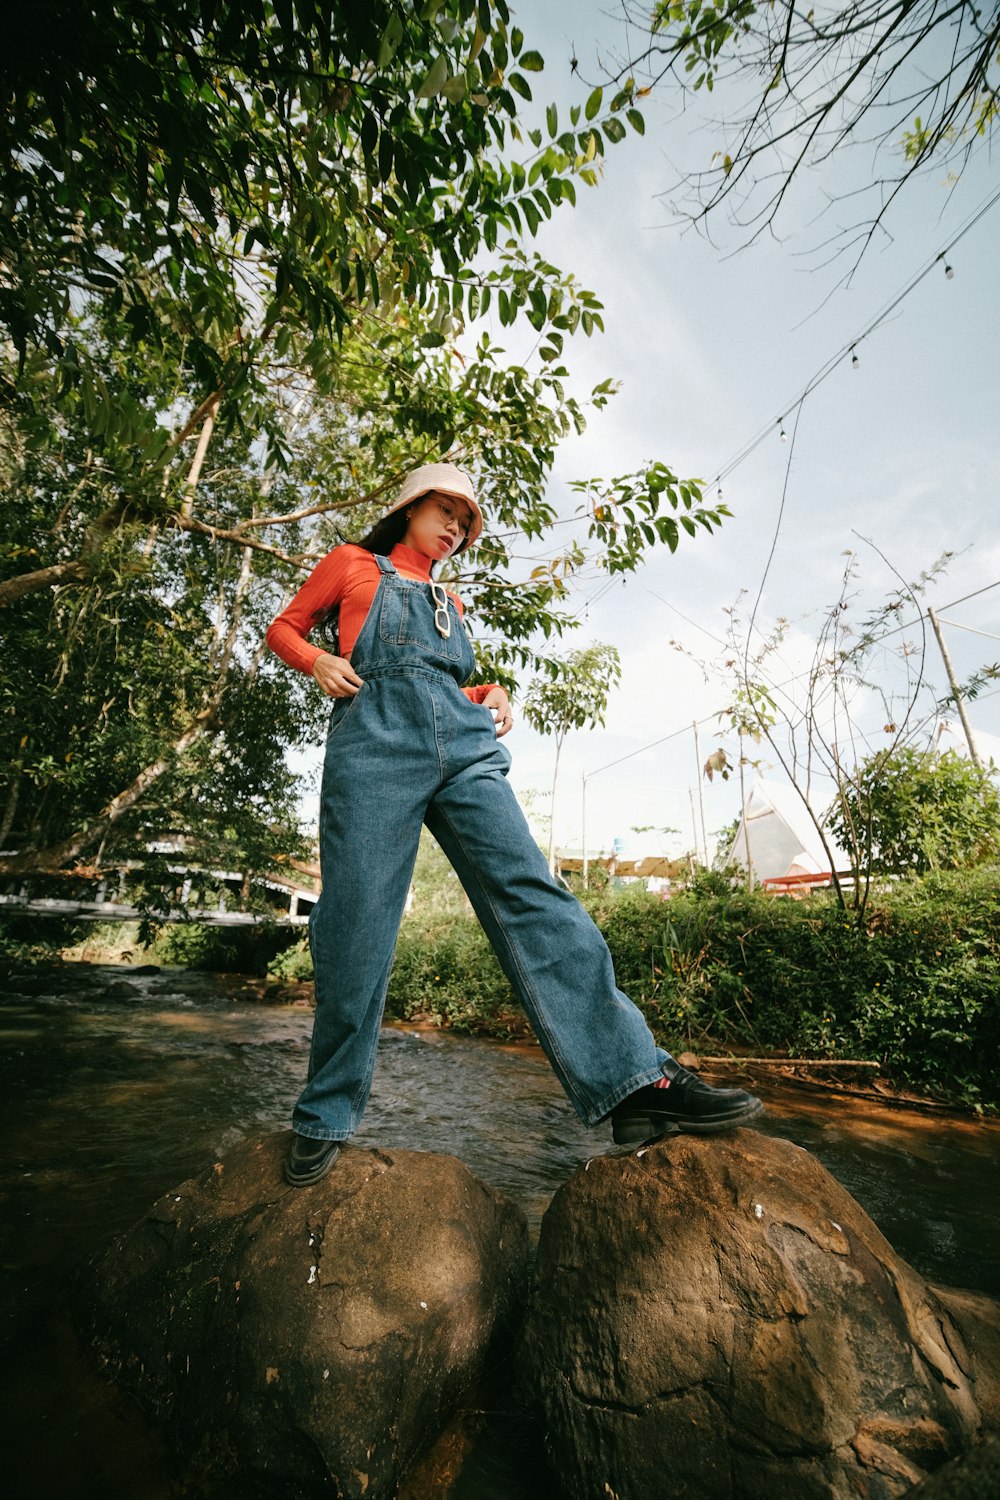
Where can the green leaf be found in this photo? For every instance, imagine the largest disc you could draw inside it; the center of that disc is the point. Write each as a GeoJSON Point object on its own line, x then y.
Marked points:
{"type": "Point", "coordinates": [636, 121]}
{"type": "Point", "coordinates": [435, 80]}
{"type": "Point", "coordinates": [552, 120]}
{"type": "Point", "coordinates": [532, 62]}
{"type": "Point", "coordinates": [593, 104]}
{"type": "Point", "coordinates": [391, 38]}
{"type": "Point", "coordinates": [519, 85]}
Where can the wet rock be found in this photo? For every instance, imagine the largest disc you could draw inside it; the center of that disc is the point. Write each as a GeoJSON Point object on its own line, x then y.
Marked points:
{"type": "Point", "coordinates": [978, 1320]}
{"type": "Point", "coordinates": [717, 1319]}
{"type": "Point", "coordinates": [973, 1476]}
{"type": "Point", "coordinates": [296, 1341]}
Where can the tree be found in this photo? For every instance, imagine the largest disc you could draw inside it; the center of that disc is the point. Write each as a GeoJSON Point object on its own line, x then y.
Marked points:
{"type": "Point", "coordinates": [240, 183]}
{"type": "Point", "coordinates": [818, 723]}
{"type": "Point", "coordinates": [911, 82]}
{"type": "Point", "coordinates": [245, 248]}
{"type": "Point", "coordinates": [574, 696]}
{"type": "Point", "coordinates": [912, 811]}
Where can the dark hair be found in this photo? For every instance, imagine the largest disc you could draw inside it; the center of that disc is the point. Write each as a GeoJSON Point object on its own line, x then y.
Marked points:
{"type": "Point", "coordinates": [381, 539]}
{"type": "Point", "coordinates": [386, 533]}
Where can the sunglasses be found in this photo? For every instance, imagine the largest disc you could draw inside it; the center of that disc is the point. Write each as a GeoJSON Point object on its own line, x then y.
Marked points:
{"type": "Point", "coordinates": [442, 619]}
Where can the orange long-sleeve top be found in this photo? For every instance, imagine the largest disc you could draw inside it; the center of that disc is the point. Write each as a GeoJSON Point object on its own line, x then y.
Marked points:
{"type": "Point", "coordinates": [349, 577]}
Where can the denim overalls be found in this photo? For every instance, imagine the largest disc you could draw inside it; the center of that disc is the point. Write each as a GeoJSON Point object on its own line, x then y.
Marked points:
{"type": "Point", "coordinates": [410, 748]}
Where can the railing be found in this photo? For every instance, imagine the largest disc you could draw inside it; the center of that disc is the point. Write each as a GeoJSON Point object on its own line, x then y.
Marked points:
{"type": "Point", "coordinates": [106, 900]}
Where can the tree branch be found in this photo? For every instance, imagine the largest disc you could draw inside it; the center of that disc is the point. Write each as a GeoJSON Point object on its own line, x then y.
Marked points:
{"type": "Point", "coordinates": [56, 855]}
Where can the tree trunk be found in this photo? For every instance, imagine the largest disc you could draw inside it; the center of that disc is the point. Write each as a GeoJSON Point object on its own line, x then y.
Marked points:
{"type": "Point", "coordinates": [98, 531]}
{"type": "Point", "coordinates": [13, 796]}
{"type": "Point", "coordinates": [552, 809]}
{"type": "Point", "coordinates": [59, 854]}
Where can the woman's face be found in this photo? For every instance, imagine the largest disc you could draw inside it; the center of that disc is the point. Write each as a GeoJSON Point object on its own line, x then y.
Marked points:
{"type": "Point", "coordinates": [437, 525]}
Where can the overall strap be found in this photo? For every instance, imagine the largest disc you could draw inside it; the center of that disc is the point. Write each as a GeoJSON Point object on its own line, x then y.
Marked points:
{"type": "Point", "coordinates": [385, 566]}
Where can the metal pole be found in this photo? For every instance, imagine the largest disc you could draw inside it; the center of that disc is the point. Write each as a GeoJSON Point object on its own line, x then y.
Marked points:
{"type": "Point", "coordinates": [743, 820]}
{"type": "Point", "coordinates": [584, 834]}
{"type": "Point", "coordinates": [694, 820]}
{"type": "Point", "coordinates": [973, 756]}
{"type": "Point", "coordinates": [701, 795]}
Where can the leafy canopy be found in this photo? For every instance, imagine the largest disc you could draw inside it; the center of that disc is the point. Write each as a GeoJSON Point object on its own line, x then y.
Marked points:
{"type": "Point", "coordinates": [575, 693]}
{"type": "Point", "coordinates": [912, 811]}
{"type": "Point", "coordinates": [245, 249]}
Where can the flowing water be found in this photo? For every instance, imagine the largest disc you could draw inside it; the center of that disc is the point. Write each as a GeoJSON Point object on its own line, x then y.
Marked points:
{"type": "Point", "coordinates": [117, 1084]}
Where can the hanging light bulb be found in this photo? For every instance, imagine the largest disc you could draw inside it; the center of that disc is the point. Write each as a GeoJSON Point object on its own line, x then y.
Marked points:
{"type": "Point", "coordinates": [718, 493]}
{"type": "Point", "coordinates": [855, 361]}
{"type": "Point", "coordinates": [949, 271]}
{"type": "Point", "coordinates": [783, 435]}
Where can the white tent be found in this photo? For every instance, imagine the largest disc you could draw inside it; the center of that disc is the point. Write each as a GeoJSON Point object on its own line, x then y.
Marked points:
{"type": "Point", "coordinates": [781, 836]}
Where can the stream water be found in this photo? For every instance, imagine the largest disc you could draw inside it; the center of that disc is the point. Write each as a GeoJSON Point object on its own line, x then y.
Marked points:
{"type": "Point", "coordinates": [117, 1084]}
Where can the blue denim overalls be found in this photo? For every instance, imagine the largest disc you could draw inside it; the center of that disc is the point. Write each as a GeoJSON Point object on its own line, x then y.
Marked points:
{"type": "Point", "coordinates": [410, 748]}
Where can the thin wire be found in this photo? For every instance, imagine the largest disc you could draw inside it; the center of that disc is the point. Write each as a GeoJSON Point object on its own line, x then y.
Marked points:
{"type": "Point", "coordinates": [674, 733]}
{"type": "Point", "coordinates": [880, 317]}
{"type": "Point", "coordinates": [780, 686]}
{"type": "Point", "coordinates": [970, 628]}
{"type": "Point", "coordinates": [824, 370]}
{"type": "Point", "coordinates": [686, 618]}
{"type": "Point", "coordinates": [909, 624]}
{"type": "Point", "coordinates": [777, 533]}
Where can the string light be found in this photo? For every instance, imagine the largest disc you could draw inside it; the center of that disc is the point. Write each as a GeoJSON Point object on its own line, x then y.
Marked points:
{"type": "Point", "coordinates": [828, 367]}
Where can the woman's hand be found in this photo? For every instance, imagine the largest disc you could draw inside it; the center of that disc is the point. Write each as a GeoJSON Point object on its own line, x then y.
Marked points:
{"type": "Point", "coordinates": [336, 676]}
{"type": "Point", "coordinates": [498, 703]}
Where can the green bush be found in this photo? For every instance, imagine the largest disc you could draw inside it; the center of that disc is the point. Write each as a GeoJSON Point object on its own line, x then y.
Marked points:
{"type": "Point", "coordinates": [250, 949]}
{"type": "Point", "coordinates": [28, 939]}
{"type": "Point", "coordinates": [916, 987]}
{"type": "Point", "coordinates": [293, 963]}
{"type": "Point", "coordinates": [446, 973]}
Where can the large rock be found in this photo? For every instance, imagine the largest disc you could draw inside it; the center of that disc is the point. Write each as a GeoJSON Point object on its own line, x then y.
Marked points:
{"type": "Point", "coordinates": [716, 1318]}
{"type": "Point", "coordinates": [309, 1341]}
{"type": "Point", "coordinates": [972, 1476]}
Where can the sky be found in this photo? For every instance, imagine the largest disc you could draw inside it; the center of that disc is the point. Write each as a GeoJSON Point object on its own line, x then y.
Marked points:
{"type": "Point", "coordinates": [895, 460]}
{"type": "Point", "coordinates": [713, 340]}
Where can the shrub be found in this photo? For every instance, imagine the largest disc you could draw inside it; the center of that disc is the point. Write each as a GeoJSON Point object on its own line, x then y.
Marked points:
{"type": "Point", "coordinates": [249, 949]}
{"type": "Point", "coordinates": [915, 988]}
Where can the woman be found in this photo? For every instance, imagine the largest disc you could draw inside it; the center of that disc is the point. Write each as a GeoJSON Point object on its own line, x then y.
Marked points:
{"type": "Point", "coordinates": [407, 747]}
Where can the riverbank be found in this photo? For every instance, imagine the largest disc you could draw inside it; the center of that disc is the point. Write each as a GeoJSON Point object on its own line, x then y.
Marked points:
{"type": "Point", "coordinates": [119, 1083]}
{"type": "Point", "coordinates": [912, 987]}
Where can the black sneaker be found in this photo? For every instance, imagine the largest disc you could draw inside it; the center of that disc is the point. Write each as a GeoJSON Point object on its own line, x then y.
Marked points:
{"type": "Point", "coordinates": [308, 1160]}
{"type": "Point", "coordinates": [687, 1105]}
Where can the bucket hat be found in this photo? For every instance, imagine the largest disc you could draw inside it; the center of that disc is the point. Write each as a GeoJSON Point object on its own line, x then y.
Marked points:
{"type": "Point", "coordinates": [445, 479]}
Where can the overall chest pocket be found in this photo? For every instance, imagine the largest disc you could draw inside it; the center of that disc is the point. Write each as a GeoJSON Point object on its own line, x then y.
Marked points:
{"type": "Point", "coordinates": [406, 618]}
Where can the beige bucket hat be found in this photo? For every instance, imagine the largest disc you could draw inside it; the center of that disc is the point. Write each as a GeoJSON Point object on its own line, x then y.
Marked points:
{"type": "Point", "coordinates": [445, 479]}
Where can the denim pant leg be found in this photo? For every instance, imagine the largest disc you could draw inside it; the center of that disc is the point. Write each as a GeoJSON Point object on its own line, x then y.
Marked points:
{"type": "Point", "coordinates": [368, 846]}
{"type": "Point", "coordinates": [554, 957]}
